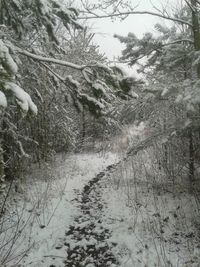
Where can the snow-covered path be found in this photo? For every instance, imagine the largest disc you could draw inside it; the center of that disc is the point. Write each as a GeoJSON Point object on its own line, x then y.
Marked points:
{"type": "Point", "coordinates": [46, 223]}
{"type": "Point", "coordinates": [87, 239]}
{"type": "Point", "coordinates": [98, 213]}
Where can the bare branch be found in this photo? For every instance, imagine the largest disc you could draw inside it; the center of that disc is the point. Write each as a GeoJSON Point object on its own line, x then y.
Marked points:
{"type": "Point", "coordinates": [121, 14]}
{"type": "Point", "coordinates": [51, 60]}
{"type": "Point", "coordinates": [190, 6]}
{"type": "Point", "coordinates": [53, 72]}
{"type": "Point", "coordinates": [179, 41]}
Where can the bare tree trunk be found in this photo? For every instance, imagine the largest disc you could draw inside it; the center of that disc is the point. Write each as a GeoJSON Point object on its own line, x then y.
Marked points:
{"type": "Point", "coordinates": [83, 133]}
{"type": "Point", "coordinates": [196, 35]}
{"type": "Point", "coordinates": [196, 30]}
{"type": "Point", "coordinates": [165, 146]}
{"type": "Point", "coordinates": [1, 152]}
{"type": "Point", "coordinates": [191, 157]}
{"type": "Point", "coordinates": [1, 164]}
{"type": "Point", "coordinates": [6, 151]}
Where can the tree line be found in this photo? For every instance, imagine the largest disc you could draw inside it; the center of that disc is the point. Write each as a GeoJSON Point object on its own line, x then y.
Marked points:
{"type": "Point", "coordinates": [57, 89]}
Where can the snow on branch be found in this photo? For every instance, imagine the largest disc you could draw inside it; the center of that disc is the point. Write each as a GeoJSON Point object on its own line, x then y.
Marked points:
{"type": "Point", "coordinates": [8, 70]}
{"type": "Point", "coordinates": [120, 14]}
{"type": "Point", "coordinates": [51, 60]}
{"type": "Point", "coordinates": [3, 100]}
{"type": "Point", "coordinates": [86, 69]}
{"type": "Point", "coordinates": [6, 61]}
{"type": "Point", "coordinates": [156, 48]}
{"type": "Point", "coordinates": [23, 99]}
{"type": "Point", "coordinates": [149, 141]}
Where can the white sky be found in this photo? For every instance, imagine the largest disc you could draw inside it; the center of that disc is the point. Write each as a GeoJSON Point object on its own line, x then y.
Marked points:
{"type": "Point", "coordinates": [138, 24]}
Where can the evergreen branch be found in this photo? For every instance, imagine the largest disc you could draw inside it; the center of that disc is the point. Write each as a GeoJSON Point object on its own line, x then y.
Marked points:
{"type": "Point", "coordinates": [156, 49]}
{"type": "Point", "coordinates": [60, 78]}
{"type": "Point", "coordinates": [149, 141]}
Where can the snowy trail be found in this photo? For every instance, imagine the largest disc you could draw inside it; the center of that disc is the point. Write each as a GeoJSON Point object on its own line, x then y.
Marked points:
{"type": "Point", "coordinates": [106, 217]}
{"type": "Point", "coordinates": [87, 238]}
{"type": "Point", "coordinates": [45, 233]}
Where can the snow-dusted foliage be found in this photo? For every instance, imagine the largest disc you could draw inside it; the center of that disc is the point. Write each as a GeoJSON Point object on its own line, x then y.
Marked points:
{"type": "Point", "coordinates": [8, 71]}
{"type": "Point", "coordinates": [48, 71]}
{"type": "Point", "coordinates": [49, 65]}
{"type": "Point", "coordinates": [168, 57]}
{"type": "Point", "coordinates": [3, 100]}
{"type": "Point", "coordinates": [169, 102]}
{"type": "Point", "coordinates": [23, 99]}
{"type": "Point", "coordinates": [32, 15]}
{"type": "Point", "coordinates": [7, 64]}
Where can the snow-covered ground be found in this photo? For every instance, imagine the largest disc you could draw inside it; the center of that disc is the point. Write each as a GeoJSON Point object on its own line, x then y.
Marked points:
{"type": "Point", "coordinates": [46, 207]}
{"type": "Point", "coordinates": [154, 222]}
{"type": "Point", "coordinates": [128, 215]}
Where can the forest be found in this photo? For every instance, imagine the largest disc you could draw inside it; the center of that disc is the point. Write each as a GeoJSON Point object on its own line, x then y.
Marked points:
{"type": "Point", "coordinates": [99, 167]}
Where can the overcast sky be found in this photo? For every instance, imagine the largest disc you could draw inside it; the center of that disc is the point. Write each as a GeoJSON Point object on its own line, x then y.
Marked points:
{"type": "Point", "coordinates": [138, 24]}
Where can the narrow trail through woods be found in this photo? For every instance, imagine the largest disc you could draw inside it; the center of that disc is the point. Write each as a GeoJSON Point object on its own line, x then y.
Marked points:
{"type": "Point", "coordinates": [87, 238]}
{"type": "Point", "coordinates": [110, 211]}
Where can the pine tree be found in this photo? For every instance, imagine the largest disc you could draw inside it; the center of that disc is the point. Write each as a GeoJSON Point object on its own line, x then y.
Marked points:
{"type": "Point", "coordinates": [171, 68]}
